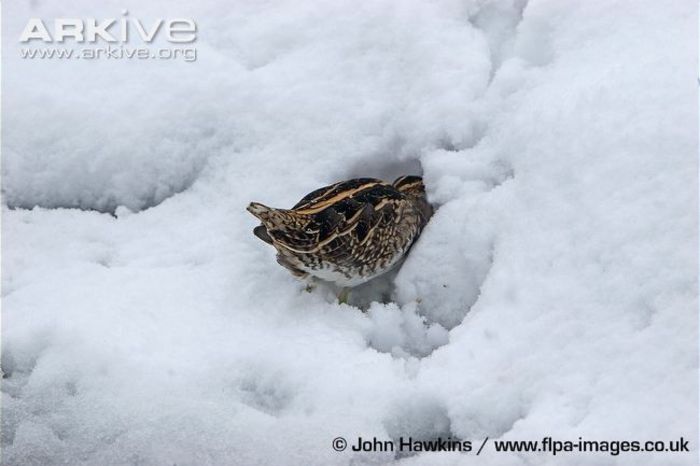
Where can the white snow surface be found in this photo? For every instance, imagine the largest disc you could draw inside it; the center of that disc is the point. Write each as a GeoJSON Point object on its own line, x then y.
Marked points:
{"type": "Point", "coordinates": [554, 292]}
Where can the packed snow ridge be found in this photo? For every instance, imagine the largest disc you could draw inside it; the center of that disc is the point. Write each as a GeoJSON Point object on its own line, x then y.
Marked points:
{"type": "Point", "coordinates": [553, 293]}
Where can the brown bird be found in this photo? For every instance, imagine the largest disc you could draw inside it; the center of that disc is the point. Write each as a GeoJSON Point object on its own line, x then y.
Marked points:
{"type": "Point", "coordinates": [349, 232]}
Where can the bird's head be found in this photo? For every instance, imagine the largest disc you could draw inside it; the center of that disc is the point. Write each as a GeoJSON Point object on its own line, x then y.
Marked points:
{"type": "Point", "coordinates": [413, 187]}
{"type": "Point", "coordinates": [410, 185]}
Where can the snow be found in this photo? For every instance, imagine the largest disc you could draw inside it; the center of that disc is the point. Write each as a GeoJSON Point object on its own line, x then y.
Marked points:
{"type": "Point", "coordinates": [553, 293]}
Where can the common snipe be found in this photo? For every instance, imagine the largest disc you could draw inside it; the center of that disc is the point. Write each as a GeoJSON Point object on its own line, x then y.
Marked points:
{"type": "Point", "coordinates": [349, 232]}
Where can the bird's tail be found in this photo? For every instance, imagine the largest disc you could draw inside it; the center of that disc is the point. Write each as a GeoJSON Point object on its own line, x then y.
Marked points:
{"type": "Point", "coordinates": [277, 219]}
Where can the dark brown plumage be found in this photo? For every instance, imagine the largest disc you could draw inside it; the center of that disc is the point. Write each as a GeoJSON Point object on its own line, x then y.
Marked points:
{"type": "Point", "coordinates": [348, 232]}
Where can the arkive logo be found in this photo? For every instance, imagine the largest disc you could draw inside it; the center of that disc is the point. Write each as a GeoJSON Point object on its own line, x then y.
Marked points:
{"type": "Point", "coordinates": [111, 30]}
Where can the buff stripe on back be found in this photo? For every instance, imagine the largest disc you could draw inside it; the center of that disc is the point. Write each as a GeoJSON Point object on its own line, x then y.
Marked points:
{"type": "Point", "coordinates": [338, 197]}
